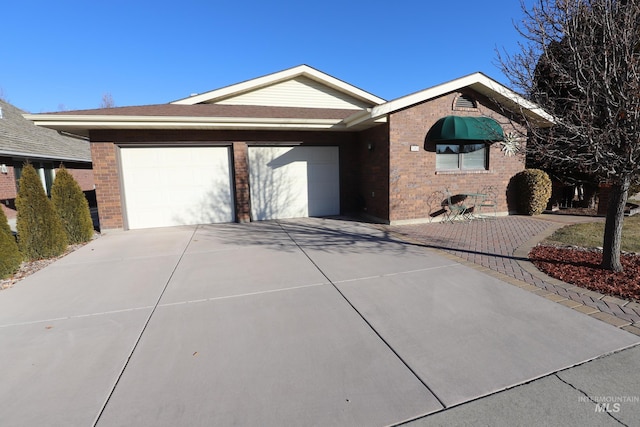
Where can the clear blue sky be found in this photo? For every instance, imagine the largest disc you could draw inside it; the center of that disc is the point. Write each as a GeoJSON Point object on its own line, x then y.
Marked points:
{"type": "Point", "coordinates": [70, 52]}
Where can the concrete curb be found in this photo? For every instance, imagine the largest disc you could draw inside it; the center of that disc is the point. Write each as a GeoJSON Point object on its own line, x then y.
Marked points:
{"type": "Point", "coordinates": [608, 316]}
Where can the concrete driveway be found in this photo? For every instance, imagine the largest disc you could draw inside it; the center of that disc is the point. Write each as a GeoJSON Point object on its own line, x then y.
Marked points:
{"type": "Point", "coordinates": [300, 322]}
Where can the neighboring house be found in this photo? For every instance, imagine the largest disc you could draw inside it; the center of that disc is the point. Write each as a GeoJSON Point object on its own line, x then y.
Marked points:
{"type": "Point", "coordinates": [298, 143]}
{"type": "Point", "coordinates": [21, 141]}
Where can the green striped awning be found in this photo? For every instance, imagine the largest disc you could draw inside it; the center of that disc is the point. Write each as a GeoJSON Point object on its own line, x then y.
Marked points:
{"type": "Point", "coordinates": [452, 128]}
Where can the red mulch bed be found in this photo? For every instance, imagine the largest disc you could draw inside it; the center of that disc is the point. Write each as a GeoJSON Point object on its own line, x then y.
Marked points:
{"type": "Point", "coordinates": [582, 268]}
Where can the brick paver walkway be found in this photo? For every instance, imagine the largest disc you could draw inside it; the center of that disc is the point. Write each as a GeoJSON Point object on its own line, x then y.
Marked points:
{"type": "Point", "coordinates": [502, 245]}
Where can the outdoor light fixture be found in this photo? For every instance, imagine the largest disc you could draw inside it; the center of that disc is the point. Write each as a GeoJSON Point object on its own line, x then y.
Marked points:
{"type": "Point", "coordinates": [3, 168]}
{"type": "Point", "coordinates": [370, 146]}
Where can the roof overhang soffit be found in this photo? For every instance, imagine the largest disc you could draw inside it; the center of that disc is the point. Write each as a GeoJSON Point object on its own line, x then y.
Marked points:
{"type": "Point", "coordinates": [83, 124]}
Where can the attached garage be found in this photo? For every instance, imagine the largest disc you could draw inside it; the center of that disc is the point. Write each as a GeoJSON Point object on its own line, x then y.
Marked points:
{"type": "Point", "coordinates": [291, 182]}
{"type": "Point", "coordinates": [166, 186]}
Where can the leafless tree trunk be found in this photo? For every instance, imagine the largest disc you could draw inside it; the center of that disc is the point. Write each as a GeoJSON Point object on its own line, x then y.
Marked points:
{"type": "Point", "coordinates": [613, 226]}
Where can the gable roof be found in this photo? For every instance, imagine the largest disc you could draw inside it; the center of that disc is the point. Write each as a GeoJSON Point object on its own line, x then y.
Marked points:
{"type": "Point", "coordinates": [299, 98]}
{"type": "Point", "coordinates": [21, 138]}
{"type": "Point", "coordinates": [478, 82]}
{"type": "Point", "coordinates": [300, 81]}
{"type": "Point", "coordinates": [280, 101]}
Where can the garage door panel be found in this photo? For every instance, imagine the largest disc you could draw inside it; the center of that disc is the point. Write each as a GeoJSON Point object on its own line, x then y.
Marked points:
{"type": "Point", "coordinates": [166, 186]}
{"type": "Point", "coordinates": [323, 155]}
{"type": "Point", "coordinates": [291, 182]}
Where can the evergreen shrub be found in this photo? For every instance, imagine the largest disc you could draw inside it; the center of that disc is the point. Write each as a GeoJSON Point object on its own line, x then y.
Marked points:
{"type": "Point", "coordinates": [40, 231]}
{"type": "Point", "coordinates": [533, 191]}
{"type": "Point", "coordinates": [10, 256]}
{"type": "Point", "coordinates": [72, 207]}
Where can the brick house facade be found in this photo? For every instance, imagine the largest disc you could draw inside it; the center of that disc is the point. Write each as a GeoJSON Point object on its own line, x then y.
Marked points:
{"type": "Point", "coordinates": [386, 165]}
{"type": "Point", "coordinates": [415, 173]}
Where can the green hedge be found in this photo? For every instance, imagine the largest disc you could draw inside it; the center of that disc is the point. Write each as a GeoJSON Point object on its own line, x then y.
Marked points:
{"type": "Point", "coordinates": [533, 191]}
{"type": "Point", "coordinates": [10, 256]}
{"type": "Point", "coordinates": [72, 207]}
{"type": "Point", "coordinates": [40, 231]}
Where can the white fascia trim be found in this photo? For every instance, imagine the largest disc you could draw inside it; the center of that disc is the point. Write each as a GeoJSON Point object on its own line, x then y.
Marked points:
{"type": "Point", "coordinates": [523, 103]}
{"type": "Point", "coordinates": [361, 118]}
{"type": "Point", "coordinates": [22, 154]}
{"type": "Point", "coordinates": [357, 117]}
{"type": "Point", "coordinates": [423, 95]}
{"type": "Point", "coordinates": [470, 80]}
{"type": "Point", "coordinates": [58, 121]}
{"type": "Point", "coordinates": [301, 70]}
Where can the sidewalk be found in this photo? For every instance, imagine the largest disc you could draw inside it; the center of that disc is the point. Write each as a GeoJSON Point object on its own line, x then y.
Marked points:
{"type": "Point", "coordinates": [500, 248]}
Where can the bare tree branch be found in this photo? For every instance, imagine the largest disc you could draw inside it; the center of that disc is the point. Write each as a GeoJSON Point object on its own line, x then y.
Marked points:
{"type": "Point", "coordinates": [107, 101]}
{"type": "Point", "coordinates": [580, 61]}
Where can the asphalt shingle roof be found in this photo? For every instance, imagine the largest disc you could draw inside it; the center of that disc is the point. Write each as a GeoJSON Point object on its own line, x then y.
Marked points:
{"type": "Point", "coordinates": [217, 110]}
{"type": "Point", "coordinates": [19, 137]}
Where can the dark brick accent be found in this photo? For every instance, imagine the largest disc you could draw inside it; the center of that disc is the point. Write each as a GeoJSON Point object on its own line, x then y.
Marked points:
{"type": "Point", "coordinates": [242, 196]}
{"type": "Point", "coordinates": [372, 180]}
{"type": "Point", "coordinates": [107, 176]}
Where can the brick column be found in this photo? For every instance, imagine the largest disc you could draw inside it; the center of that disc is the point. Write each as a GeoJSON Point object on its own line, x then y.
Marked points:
{"type": "Point", "coordinates": [107, 179]}
{"type": "Point", "coordinates": [241, 182]}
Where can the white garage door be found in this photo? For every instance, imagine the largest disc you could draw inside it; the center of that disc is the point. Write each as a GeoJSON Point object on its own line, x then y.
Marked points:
{"type": "Point", "coordinates": [292, 182]}
{"type": "Point", "coordinates": [177, 186]}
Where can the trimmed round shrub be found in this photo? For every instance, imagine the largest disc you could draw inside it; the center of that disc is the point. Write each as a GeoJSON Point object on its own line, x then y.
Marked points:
{"type": "Point", "coordinates": [40, 232]}
{"type": "Point", "coordinates": [533, 191]}
{"type": "Point", "coordinates": [72, 207]}
{"type": "Point", "coordinates": [10, 256]}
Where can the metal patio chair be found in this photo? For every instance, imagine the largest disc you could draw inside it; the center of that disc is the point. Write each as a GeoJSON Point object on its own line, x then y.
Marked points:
{"type": "Point", "coordinates": [488, 207]}
{"type": "Point", "coordinates": [457, 209]}
{"type": "Point", "coordinates": [436, 204]}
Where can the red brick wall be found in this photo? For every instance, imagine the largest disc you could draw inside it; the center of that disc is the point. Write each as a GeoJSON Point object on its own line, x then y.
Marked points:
{"type": "Point", "coordinates": [8, 189]}
{"type": "Point", "coordinates": [241, 182]}
{"type": "Point", "coordinates": [107, 180]}
{"type": "Point", "coordinates": [413, 175]}
{"type": "Point", "coordinates": [373, 171]}
{"type": "Point", "coordinates": [84, 177]}
{"type": "Point", "coordinates": [7, 182]}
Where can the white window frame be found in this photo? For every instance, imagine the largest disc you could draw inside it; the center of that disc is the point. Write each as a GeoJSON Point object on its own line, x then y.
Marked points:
{"type": "Point", "coordinates": [461, 155]}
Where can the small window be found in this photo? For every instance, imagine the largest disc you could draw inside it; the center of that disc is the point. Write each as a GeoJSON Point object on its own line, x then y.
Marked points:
{"type": "Point", "coordinates": [462, 156]}
{"type": "Point", "coordinates": [46, 171]}
{"type": "Point", "coordinates": [465, 101]}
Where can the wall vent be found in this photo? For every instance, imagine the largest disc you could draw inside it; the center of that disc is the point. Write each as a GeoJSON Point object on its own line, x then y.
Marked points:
{"type": "Point", "coordinates": [465, 101]}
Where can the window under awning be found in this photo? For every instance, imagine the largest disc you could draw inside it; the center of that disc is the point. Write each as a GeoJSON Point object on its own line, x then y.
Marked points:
{"type": "Point", "coordinates": [452, 128]}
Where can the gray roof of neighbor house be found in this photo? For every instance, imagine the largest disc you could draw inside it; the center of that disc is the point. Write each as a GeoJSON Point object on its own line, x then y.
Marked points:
{"type": "Point", "coordinates": [20, 137]}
